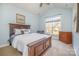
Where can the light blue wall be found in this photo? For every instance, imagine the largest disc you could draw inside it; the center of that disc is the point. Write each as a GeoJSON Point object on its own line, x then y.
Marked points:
{"type": "Point", "coordinates": [8, 15]}
{"type": "Point", "coordinates": [66, 19]}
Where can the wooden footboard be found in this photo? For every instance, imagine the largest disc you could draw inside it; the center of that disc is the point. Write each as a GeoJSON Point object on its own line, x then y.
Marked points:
{"type": "Point", "coordinates": [37, 48]}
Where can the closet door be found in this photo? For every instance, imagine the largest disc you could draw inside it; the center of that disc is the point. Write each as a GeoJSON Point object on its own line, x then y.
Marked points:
{"type": "Point", "coordinates": [77, 26]}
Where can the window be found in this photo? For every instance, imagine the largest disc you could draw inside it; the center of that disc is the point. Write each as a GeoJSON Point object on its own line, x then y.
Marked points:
{"type": "Point", "coordinates": [53, 25]}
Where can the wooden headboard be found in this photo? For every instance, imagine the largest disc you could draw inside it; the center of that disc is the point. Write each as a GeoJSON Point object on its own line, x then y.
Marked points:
{"type": "Point", "coordinates": [17, 26]}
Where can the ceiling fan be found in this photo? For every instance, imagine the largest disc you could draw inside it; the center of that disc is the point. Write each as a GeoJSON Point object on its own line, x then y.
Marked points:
{"type": "Point", "coordinates": [41, 4]}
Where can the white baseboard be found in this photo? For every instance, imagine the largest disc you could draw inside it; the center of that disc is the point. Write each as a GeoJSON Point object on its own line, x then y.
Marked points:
{"type": "Point", "coordinates": [75, 52]}
{"type": "Point", "coordinates": [4, 45]}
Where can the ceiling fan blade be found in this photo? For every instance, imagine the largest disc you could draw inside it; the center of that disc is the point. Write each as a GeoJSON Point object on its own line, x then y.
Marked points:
{"type": "Point", "coordinates": [41, 4]}
{"type": "Point", "coordinates": [48, 3]}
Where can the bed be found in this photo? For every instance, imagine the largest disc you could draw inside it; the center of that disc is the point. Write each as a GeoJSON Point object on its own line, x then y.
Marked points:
{"type": "Point", "coordinates": [31, 44]}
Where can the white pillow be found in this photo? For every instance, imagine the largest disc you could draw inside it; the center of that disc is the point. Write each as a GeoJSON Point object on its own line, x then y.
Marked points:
{"type": "Point", "coordinates": [17, 31]}
{"type": "Point", "coordinates": [26, 31]}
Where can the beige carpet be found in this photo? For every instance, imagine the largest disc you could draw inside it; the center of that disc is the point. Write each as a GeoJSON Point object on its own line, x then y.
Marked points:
{"type": "Point", "coordinates": [58, 49]}
{"type": "Point", "coordinates": [9, 51]}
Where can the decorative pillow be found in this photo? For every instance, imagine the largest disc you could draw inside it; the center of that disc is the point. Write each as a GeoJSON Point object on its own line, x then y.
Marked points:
{"type": "Point", "coordinates": [26, 31]}
{"type": "Point", "coordinates": [17, 31]}
{"type": "Point", "coordinates": [22, 32]}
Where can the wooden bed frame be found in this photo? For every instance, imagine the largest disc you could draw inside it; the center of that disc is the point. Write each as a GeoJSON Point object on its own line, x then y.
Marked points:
{"type": "Point", "coordinates": [36, 48]}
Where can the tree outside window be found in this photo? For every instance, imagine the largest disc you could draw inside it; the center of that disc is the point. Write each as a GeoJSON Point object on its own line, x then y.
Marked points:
{"type": "Point", "coordinates": [53, 25]}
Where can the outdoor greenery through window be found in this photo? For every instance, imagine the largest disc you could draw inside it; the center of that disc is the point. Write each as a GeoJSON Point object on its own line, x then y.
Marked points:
{"type": "Point", "coordinates": [53, 25]}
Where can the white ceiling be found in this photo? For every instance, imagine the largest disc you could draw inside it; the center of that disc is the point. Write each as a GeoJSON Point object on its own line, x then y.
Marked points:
{"type": "Point", "coordinates": [36, 9]}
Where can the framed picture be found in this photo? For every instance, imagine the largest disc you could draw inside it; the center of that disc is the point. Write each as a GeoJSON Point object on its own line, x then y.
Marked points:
{"type": "Point", "coordinates": [20, 19]}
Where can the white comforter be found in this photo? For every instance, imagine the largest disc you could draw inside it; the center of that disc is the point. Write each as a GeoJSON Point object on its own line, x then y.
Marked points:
{"type": "Point", "coordinates": [20, 42]}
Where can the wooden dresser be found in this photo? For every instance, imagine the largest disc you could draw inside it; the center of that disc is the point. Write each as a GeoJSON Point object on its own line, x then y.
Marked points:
{"type": "Point", "coordinates": [65, 37]}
